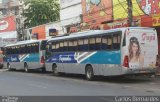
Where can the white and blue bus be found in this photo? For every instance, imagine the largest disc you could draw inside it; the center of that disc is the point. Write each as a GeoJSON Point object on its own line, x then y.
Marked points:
{"type": "Point", "coordinates": [121, 51]}
{"type": "Point", "coordinates": [25, 55]}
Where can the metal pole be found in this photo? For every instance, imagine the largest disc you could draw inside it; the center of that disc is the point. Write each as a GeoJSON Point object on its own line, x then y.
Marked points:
{"type": "Point", "coordinates": [130, 16]}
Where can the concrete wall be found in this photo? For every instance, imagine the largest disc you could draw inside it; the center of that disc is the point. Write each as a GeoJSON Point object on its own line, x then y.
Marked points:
{"type": "Point", "coordinates": [70, 12]}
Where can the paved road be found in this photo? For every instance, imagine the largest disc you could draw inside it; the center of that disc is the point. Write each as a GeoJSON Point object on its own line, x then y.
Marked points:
{"type": "Point", "coordinates": [19, 83]}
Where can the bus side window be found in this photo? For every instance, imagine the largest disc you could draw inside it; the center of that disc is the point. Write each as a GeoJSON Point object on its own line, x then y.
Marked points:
{"type": "Point", "coordinates": [8, 50]}
{"type": "Point", "coordinates": [65, 45]}
{"type": "Point", "coordinates": [43, 45]}
{"type": "Point", "coordinates": [71, 45]}
{"type": "Point", "coordinates": [13, 50]}
{"type": "Point", "coordinates": [75, 45]}
{"type": "Point", "coordinates": [16, 50]}
{"type": "Point", "coordinates": [104, 43]}
{"type": "Point", "coordinates": [52, 47]}
{"type": "Point", "coordinates": [28, 48]}
{"type": "Point", "coordinates": [85, 46]}
{"type": "Point", "coordinates": [61, 47]}
{"type": "Point", "coordinates": [109, 42]}
{"type": "Point", "coordinates": [32, 48]}
{"type": "Point", "coordinates": [48, 50]}
{"type": "Point", "coordinates": [124, 40]}
{"type": "Point", "coordinates": [36, 47]}
{"type": "Point", "coordinates": [98, 43]}
{"type": "Point", "coordinates": [116, 41]}
{"type": "Point", "coordinates": [57, 47]}
{"type": "Point", "coordinates": [92, 45]}
{"type": "Point", "coordinates": [20, 49]}
{"type": "Point", "coordinates": [80, 45]}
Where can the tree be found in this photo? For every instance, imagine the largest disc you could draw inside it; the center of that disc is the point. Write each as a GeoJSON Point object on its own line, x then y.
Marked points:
{"type": "Point", "coordinates": [39, 12]}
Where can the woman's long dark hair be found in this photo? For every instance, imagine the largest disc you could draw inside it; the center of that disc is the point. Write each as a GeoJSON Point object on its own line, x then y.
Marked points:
{"type": "Point", "coordinates": [134, 40]}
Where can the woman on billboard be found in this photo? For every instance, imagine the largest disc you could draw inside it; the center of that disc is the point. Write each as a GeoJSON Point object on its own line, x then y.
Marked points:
{"type": "Point", "coordinates": [136, 59]}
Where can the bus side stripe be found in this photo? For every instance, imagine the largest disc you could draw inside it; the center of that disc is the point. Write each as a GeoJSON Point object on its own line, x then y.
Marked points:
{"type": "Point", "coordinates": [87, 57]}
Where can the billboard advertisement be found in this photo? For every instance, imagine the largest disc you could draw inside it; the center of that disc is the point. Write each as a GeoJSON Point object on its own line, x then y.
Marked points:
{"type": "Point", "coordinates": [114, 13]}
{"type": "Point", "coordinates": [7, 24]}
{"type": "Point", "coordinates": [149, 6]}
{"type": "Point", "coordinates": [120, 9]}
{"type": "Point", "coordinates": [96, 11]}
{"type": "Point", "coordinates": [142, 48]}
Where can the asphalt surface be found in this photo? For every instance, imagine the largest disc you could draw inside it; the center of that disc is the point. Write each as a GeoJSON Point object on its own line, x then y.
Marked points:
{"type": "Point", "coordinates": [19, 83]}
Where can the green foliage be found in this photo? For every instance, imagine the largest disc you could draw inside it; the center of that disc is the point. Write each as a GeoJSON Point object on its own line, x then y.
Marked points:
{"type": "Point", "coordinates": [39, 12]}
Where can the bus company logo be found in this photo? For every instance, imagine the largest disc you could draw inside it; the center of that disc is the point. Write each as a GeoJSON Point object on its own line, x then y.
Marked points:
{"type": "Point", "coordinates": [64, 58]}
{"type": "Point", "coordinates": [3, 25]}
{"type": "Point", "coordinates": [13, 59]}
{"type": "Point", "coordinates": [53, 59]}
{"type": "Point", "coordinates": [148, 37]}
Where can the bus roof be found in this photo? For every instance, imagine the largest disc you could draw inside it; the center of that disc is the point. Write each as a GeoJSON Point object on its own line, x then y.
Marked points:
{"type": "Point", "coordinates": [94, 32]}
{"type": "Point", "coordinates": [23, 42]}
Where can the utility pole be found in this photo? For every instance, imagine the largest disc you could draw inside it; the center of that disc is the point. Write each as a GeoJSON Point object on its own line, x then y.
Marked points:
{"type": "Point", "coordinates": [130, 16]}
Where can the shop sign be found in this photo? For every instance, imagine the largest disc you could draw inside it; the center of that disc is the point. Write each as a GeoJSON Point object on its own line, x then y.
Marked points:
{"type": "Point", "coordinates": [156, 20]}
{"type": "Point", "coordinates": [3, 25]}
{"type": "Point", "coordinates": [118, 24]}
{"type": "Point", "coordinates": [7, 24]}
{"type": "Point", "coordinates": [52, 32]}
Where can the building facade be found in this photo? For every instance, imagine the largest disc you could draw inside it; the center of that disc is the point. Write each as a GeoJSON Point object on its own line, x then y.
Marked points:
{"type": "Point", "coordinates": [14, 8]}
{"type": "Point", "coordinates": [114, 13]}
{"type": "Point", "coordinates": [102, 14]}
{"type": "Point", "coordinates": [71, 14]}
{"type": "Point", "coordinates": [8, 33]}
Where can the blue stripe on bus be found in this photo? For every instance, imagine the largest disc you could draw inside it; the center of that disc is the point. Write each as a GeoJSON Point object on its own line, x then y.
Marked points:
{"type": "Point", "coordinates": [32, 58]}
{"type": "Point", "coordinates": [100, 57]}
{"type": "Point", "coordinates": [23, 58]}
{"type": "Point", "coordinates": [65, 57]}
{"type": "Point", "coordinates": [103, 57]}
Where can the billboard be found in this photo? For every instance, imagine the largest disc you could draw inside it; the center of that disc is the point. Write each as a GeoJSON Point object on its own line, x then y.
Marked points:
{"type": "Point", "coordinates": [114, 13]}
{"type": "Point", "coordinates": [96, 11]}
{"type": "Point", "coordinates": [120, 9]}
{"type": "Point", "coordinates": [149, 6]}
{"type": "Point", "coordinates": [7, 24]}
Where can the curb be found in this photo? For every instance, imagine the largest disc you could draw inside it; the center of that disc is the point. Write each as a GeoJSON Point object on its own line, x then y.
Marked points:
{"type": "Point", "coordinates": [2, 70]}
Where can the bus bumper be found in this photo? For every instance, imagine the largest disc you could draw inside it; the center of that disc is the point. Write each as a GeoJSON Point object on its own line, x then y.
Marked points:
{"type": "Point", "coordinates": [140, 71]}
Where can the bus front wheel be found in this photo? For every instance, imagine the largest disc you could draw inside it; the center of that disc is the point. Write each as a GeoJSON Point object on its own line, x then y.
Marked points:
{"type": "Point", "coordinates": [55, 70]}
{"type": "Point", "coordinates": [89, 73]}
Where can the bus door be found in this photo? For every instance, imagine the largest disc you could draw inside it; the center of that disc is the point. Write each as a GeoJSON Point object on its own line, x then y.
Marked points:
{"type": "Point", "coordinates": [141, 48]}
